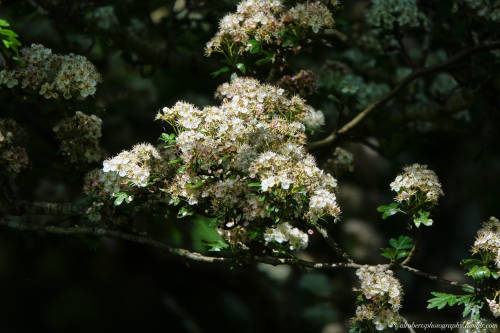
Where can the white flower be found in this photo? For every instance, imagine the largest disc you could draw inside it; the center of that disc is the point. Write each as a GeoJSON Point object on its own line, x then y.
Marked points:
{"type": "Point", "coordinates": [417, 178]}
{"type": "Point", "coordinates": [285, 232]}
{"type": "Point", "coordinates": [133, 165]}
{"type": "Point", "coordinates": [53, 75]}
{"type": "Point", "coordinates": [488, 239]}
{"type": "Point", "coordinates": [384, 293]}
{"type": "Point", "coordinates": [494, 307]}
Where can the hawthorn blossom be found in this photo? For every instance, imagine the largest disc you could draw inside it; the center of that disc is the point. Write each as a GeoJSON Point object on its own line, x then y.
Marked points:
{"type": "Point", "coordinates": [52, 75]}
{"type": "Point", "coordinates": [416, 179]}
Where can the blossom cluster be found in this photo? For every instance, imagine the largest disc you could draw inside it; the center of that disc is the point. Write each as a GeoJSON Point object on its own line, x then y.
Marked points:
{"type": "Point", "coordinates": [79, 136]}
{"type": "Point", "coordinates": [244, 161]}
{"type": "Point", "coordinates": [494, 307]}
{"type": "Point", "coordinates": [386, 14]}
{"type": "Point", "coordinates": [264, 21]}
{"type": "Point", "coordinates": [417, 179]}
{"type": "Point", "coordinates": [13, 157]}
{"type": "Point", "coordinates": [135, 166]}
{"type": "Point", "coordinates": [302, 83]}
{"type": "Point", "coordinates": [310, 14]}
{"type": "Point", "coordinates": [104, 184]}
{"type": "Point", "coordinates": [52, 75]}
{"type": "Point", "coordinates": [481, 325]}
{"type": "Point", "coordinates": [342, 160]}
{"type": "Point", "coordinates": [488, 239]}
{"type": "Point", "coordinates": [382, 295]}
{"type": "Point", "coordinates": [285, 232]}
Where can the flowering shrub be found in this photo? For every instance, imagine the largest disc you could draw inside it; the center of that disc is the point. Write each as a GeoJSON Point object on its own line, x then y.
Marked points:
{"type": "Point", "coordinates": [315, 104]}
{"type": "Point", "coordinates": [52, 75]}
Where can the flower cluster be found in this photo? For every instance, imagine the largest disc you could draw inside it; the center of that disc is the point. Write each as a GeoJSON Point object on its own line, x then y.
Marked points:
{"type": "Point", "coordinates": [488, 239]}
{"type": "Point", "coordinates": [52, 75]}
{"type": "Point", "coordinates": [494, 307]}
{"type": "Point", "coordinates": [264, 21]}
{"type": "Point", "coordinates": [481, 325]}
{"type": "Point", "coordinates": [13, 157]}
{"type": "Point", "coordinates": [382, 296]}
{"type": "Point", "coordinates": [79, 136]}
{"type": "Point", "coordinates": [285, 232]}
{"type": "Point", "coordinates": [310, 14]}
{"type": "Point", "coordinates": [417, 179]}
{"type": "Point", "coordinates": [342, 160]}
{"type": "Point", "coordinates": [302, 83]}
{"type": "Point", "coordinates": [104, 184]}
{"type": "Point", "coordinates": [135, 166]}
{"type": "Point", "coordinates": [386, 14]}
{"type": "Point", "coordinates": [244, 161]}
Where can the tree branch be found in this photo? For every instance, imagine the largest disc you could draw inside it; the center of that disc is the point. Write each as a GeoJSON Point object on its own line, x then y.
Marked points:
{"type": "Point", "coordinates": [332, 243]}
{"type": "Point", "coordinates": [47, 208]}
{"type": "Point", "coordinates": [403, 83]}
{"type": "Point", "coordinates": [434, 277]}
{"type": "Point", "coordinates": [16, 222]}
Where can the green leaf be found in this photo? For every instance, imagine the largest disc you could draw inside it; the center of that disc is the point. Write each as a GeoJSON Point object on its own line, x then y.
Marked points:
{"type": "Point", "coordinates": [4, 23]}
{"type": "Point", "coordinates": [175, 161]}
{"type": "Point", "coordinates": [479, 272]}
{"type": "Point", "coordinates": [469, 290]}
{"type": "Point", "coordinates": [255, 46]}
{"type": "Point", "coordinates": [402, 243]}
{"type": "Point", "coordinates": [168, 138]}
{"type": "Point", "coordinates": [469, 263]}
{"type": "Point", "coordinates": [215, 246]}
{"type": "Point", "coordinates": [182, 169]}
{"type": "Point", "coordinates": [441, 300]}
{"type": "Point", "coordinates": [120, 197]}
{"type": "Point", "coordinates": [9, 33]}
{"type": "Point", "coordinates": [288, 42]}
{"type": "Point", "coordinates": [241, 67]}
{"type": "Point", "coordinates": [204, 234]}
{"type": "Point", "coordinates": [472, 305]}
{"type": "Point", "coordinates": [389, 210]}
{"type": "Point", "coordinates": [253, 184]}
{"type": "Point", "coordinates": [220, 71]}
{"type": "Point", "coordinates": [184, 212]}
{"type": "Point", "coordinates": [399, 248]}
{"type": "Point", "coordinates": [263, 61]}
{"type": "Point", "coordinates": [422, 218]}
{"type": "Point", "coordinates": [389, 252]}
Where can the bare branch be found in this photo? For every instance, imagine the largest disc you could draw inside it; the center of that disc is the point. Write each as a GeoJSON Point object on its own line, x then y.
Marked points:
{"type": "Point", "coordinates": [332, 243]}
{"type": "Point", "coordinates": [407, 80]}
{"type": "Point", "coordinates": [435, 277]}
{"type": "Point", "coordinates": [16, 222]}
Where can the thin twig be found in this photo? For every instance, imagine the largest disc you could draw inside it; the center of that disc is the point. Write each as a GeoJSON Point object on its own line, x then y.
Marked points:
{"type": "Point", "coordinates": [417, 236]}
{"type": "Point", "coordinates": [434, 277]}
{"type": "Point", "coordinates": [403, 83]}
{"type": "Point", "coordinates": [332, 243]}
